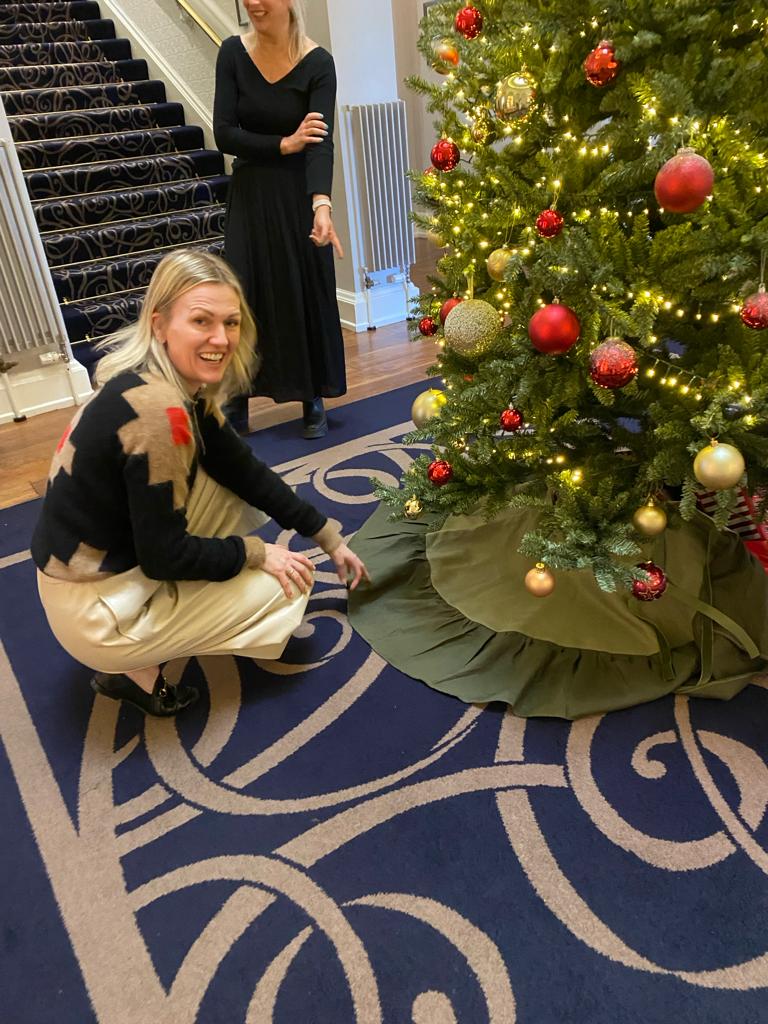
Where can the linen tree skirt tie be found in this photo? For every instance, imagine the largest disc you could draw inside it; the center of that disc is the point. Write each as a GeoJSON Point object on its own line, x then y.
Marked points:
{"type": "Point", "coordinates": [129, 621]}
{"type": "Point", "coordinates": [449, 607]}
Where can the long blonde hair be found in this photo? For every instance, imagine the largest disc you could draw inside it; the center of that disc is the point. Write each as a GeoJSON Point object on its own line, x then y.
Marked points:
{"type": "Point", "coordinates": [135, 348]}
{"type": "Point", "coordinates": [297, 32]}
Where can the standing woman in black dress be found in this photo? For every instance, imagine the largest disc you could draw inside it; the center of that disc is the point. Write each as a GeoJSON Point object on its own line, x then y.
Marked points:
{"type": "Point", "coordinates": [274, 111]}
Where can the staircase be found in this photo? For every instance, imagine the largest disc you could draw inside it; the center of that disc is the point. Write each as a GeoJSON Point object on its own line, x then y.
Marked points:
{"type": "Point", "coordinates": [116, 177]}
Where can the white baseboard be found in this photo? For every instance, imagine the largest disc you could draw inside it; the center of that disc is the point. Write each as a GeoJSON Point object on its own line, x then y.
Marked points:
{"type": "Point", "coordinates": [388, 306]}
{"type": "Point", "coordinates": [42, 390]}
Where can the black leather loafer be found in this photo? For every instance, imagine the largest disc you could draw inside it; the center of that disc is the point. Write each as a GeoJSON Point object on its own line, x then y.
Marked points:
{"type": "Point", "coordinates": [315, 423]}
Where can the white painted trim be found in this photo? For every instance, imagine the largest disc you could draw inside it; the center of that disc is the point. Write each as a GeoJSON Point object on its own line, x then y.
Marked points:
{"type": "Point", "coordinates": [387, 306]}
{"type": "Point", "coordinates": [50, 387]}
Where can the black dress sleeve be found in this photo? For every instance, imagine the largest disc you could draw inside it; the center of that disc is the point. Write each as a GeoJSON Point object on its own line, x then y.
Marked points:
{"type": "Point", "coordinates": [322, 98]}
{"type": "Point", "coordinates": [230, 137]}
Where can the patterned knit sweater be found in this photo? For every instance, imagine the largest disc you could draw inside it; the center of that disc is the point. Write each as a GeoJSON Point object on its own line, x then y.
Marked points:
{"type": "Point", "coordinates": [120, 481]}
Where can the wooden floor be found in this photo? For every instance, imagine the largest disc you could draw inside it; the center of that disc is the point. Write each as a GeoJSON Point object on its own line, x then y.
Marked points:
{"type": "Point", "coordinates": [377, 361]}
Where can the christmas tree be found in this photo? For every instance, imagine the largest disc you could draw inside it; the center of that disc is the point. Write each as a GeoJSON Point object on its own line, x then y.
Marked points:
{"type": "Point", "coordinates": [598, 187]}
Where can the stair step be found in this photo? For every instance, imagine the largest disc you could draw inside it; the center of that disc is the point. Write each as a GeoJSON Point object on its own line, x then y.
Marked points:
{"type": "Point", "coordinates": [72, 124]}
{"type": "Point", "coordinates": [107, 207]}
{"type": "Point", "coordinates": [107, 176]}
{"type": "Point", "coordinates": [41, 76]}
{"type": "Point", "coordinates": [84, 52]}
{"type": "Point", "coordinates": [14, 14]}
{"type": "Point", "coordinates": [140, 235]}
{"type": "Point", "coordinates": [112, 146]}
{"type": "Point", "coordinates": [97, 278]}
{"type": "Point", "coordinates": [55, 32]}
{"type": "Point", "coordinates": [86, 97]}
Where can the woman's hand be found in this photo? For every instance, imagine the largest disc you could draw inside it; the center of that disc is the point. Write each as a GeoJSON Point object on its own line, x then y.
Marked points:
{"type": "Point", "coordinates": [312, 129]}
{"type": "Point", "coordinates": [323, 231]}
{"type": "Point", "coordinates": [349, 565]}
{"type": "Point", "coordinates": [289, 567]}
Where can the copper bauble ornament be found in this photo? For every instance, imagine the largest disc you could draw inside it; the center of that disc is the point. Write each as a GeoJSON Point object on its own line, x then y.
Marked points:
{"type": "Point", "coordinates": [439, 472]}
{"type": "Point", "coordinates": [497, 263]}
{"type": "Point", "coordinates": [472, 327]}
{"type": "Point", "coordinates": [445, 155]}
{"type": "Point", "coordinates": [613, 364]}
{"type": "Point", "coordinates": [654, 587]}
{"type": "Point", "coordinates": [601, 66]}
{"type": "Point", "coordinates": [426, 406]}
{"type": "Point", "coordinates": [412, 508]}
{"type": "Point", "coordinates": [684, 182]}
{"type": "Point", "coordinates": [719, 466]}
{"type": "Point", "coordinates": [447, 306]}
{"type": "Point", "coordinates": [549, 223]}
{"type": "Point", "coordinates": [539, 581]}
{"type": "Point", "coordinates": [650, 520]}
{"type": "Point", "coordinates": [515, 96]}
{"type": "Point", "coordinates": [554, 329]}
{"type": "Point", "coordinates": [754, 312]}
{"type": "Point", "coordinates": [511, 420]}
{"type": "Point", "coordinates": [483, 128]}
{"type": "Point", "coordinates": [427, 326]}
{"type": "Point", "coordinates": [469, 21]}
{"type": "Point", "coordinates": [446, 56]}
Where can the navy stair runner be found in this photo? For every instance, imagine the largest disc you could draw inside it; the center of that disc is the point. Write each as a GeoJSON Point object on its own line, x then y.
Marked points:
{"type": "Point", "coordinates": [116, 177]}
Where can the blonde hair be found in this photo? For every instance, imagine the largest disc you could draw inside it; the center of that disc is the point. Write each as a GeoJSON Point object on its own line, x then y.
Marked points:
{"type": "Point", "coordinates": [135, 348]}
{"type": "Point", "coordinates": [297, 32]}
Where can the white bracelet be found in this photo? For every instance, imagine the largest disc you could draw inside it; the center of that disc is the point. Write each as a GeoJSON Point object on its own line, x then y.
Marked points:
{"type": "Point", "coordinates": [321, 202]}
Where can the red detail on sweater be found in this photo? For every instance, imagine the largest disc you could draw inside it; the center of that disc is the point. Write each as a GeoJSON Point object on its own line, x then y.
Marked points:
{"type": "Point", "coordinates": [64, 438]}
{"type": "Point", "coordinates": [181, 432]}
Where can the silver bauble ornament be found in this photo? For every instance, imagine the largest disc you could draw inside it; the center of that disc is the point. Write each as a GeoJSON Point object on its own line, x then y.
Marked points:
{"type": "Point", "coordinates": [719, 466]}
{"type": "Point", "coordinates": [472, 327]}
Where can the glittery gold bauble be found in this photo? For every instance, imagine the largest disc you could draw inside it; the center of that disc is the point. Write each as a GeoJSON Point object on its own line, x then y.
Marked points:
{"type": "Point", "coordinates": [719, 466]}
{"type": "Point", "coordinates": [497, 263]}
{"type": "Point", "coordinates": [426, 405]}
{"type": "Point", "coordinates": [539, 581]}
{"type": "Point", "coordinates": [483, 128]}
{"type": "Point", "coordinates": [514, 97]}
{"type": "Point", "coordinates": [412, 508]}
{"type": "Point", "coordinates": [446, 56]}
{"type": "Point", "coordinates": [472, 327]}
{"type": "Point", "coordinates": [650, 520]}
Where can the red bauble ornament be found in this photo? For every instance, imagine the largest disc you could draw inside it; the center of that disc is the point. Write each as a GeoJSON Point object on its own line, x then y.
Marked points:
{"type": "Point", "coordinates": [754, 312]}
{"type": "Point", "coordinates": [469, 21]}
{"type": "Point", "coordinates": [613, 363]}
{"type": "Point", "coordinates": [654, 588]}
{"type": "Point", "coordinates": [447, 306]}
{"type": "Point", "coordinates": [549, 223]}
{"type": "Point", "coordinates": [445, 155]}
{"type": "Point", "coordinates": [601, 66]}
{"type": "Point", "coordinates": [554, 329]}
{"type": "Point", "coordinates": [511, 420]}
{"type": "Point", "coordinates": [427, 326]}
{"type": "Point", "coordinates": [439, 472]}
{"type": "Point", "coordinates": [684, 182]}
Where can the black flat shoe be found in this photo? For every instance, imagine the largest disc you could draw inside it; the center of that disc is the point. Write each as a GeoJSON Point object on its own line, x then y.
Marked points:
{"type": "Point", "coordinates": [164, 701]}
{"type": "Point", "coordinates": [315, 423]}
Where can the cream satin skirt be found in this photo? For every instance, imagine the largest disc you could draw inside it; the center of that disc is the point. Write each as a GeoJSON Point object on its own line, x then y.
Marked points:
{"type": "Point", "coordinates": [129, 621]}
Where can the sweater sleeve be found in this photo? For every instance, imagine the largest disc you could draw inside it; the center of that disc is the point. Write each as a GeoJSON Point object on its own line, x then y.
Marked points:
{"type": "Point", "coordinates": [230, 137]}
{"type": "Point", "coordinates": [230, 462]}
{"type": "Point", "coordinates": [159, 454]}
{"type": "Point", "coordinates": [322, 98]}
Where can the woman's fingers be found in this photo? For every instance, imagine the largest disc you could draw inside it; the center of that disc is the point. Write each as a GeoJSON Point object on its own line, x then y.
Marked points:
{"type": "Point", "coordinates": [337, 245]}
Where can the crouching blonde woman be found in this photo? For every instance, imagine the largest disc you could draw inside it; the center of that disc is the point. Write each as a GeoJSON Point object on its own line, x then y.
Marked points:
{"type": "Point", "coordinates": [142, 546]}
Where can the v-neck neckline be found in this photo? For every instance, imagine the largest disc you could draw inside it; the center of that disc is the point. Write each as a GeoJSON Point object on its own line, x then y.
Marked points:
{"type": "Point", "coordinates": [282, 78]}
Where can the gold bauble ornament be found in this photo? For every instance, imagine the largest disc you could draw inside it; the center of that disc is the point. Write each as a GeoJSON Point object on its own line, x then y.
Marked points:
{"type": "Point", "coordinates": [483, 128]}
{"type": "Point", "coordinates": [497, 263]}
{"type": "Point", "coordinates": [719, 466]}
{"type": "Point", "coordinates": [446, 56]}
{"type": "Point", "coordinates": [412, 508]}
{"type": "Point", "coordinates": [515, 96]}
{"type": "Point", "coordinates": [539, 581]}
{"type": "Point", "coordinates": [650, 520]}
{"type": "Point", "coordinates": [426, 405]}
{"type": "Point", "coordinates": [472, 327]}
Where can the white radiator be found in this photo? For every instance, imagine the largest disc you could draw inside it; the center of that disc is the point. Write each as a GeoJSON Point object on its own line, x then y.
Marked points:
{"type": "Point", "coordinates": [378, 139]}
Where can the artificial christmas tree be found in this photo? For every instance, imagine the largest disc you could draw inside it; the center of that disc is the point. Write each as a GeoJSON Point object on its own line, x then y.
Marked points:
{"type": "Point", "coordinates": [621, 171]}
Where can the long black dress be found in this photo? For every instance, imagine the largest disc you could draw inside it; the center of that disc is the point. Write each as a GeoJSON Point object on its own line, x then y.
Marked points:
{"type": "Point", "coordinates": [289, 282]}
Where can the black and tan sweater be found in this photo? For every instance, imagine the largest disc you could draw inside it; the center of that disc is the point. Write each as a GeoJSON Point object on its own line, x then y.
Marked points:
{"type": "Point", "coordinates": [121, 478]}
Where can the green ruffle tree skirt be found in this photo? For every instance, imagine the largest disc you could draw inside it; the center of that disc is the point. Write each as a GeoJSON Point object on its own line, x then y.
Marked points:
{"type": "Point", "coordinates": [449, 607]}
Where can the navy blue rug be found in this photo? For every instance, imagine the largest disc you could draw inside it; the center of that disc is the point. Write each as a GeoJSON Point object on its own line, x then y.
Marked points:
{"type": "Point", "coordinates": [325, 841]}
